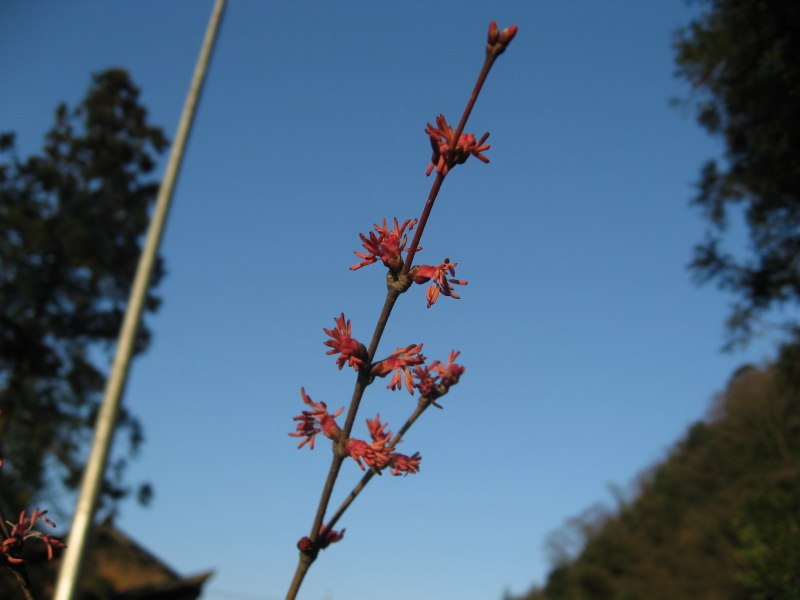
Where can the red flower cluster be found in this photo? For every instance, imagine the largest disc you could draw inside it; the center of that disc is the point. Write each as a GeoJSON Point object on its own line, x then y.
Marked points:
{"type": "Point", "coordinates": [387, 245]}
{"type": "Point", "coordinates": [380, 454]}
{"type": "Point", "coordinates": [432, 381]}
{"type": "Point", "coordinates": [312, 422]}
{"type": "Point", "coordinates": [447, 152]}
{"type": "Point", "coordinates": [498, 40]}
{"type": "Point", "coordinates": [400, 362]}
{"type": "Point", "coordinates": [11, 548]}
{"type": "Point", "coordinates": [437, 275]}
{"type": "Point", "coordinates": [352, 352]}
{"type": "Point", "coordinates": [375, 454]}
{"type": "Point", "coordinates": [436, 379]}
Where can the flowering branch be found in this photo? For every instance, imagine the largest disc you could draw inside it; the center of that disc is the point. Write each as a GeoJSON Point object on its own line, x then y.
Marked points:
{"type": "Point", "coordinates": [406, 365]}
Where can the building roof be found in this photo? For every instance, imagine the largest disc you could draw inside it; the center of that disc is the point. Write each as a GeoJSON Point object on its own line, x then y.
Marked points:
{"type": "Point", "coordinates": [119, 568]}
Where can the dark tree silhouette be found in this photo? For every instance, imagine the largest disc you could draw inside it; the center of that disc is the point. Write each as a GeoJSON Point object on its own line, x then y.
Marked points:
{"type": "Point", "coordinates": [71, 225]}
{"type": "Point", "coordinates": [740, 58]}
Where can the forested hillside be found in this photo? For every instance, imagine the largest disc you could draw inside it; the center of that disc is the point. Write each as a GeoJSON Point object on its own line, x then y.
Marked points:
{"type": "Point", "coordinates": [718, 519]}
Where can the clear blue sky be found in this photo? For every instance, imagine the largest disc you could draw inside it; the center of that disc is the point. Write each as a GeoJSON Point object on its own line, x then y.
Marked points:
{"type": "Point", "coordinates": [588, 348]}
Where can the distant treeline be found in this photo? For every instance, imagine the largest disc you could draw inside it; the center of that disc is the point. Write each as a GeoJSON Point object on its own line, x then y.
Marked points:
{"type": "Point", "coordinates": [718, 519]}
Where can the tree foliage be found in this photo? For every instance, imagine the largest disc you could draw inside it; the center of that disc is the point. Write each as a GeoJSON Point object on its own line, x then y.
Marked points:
{"type": "Point", "coordinates": [717, 519]}
{"type": "Point", "coordinates": [71, 224]}
{"type": "Point", "coordinates": [741, 60]}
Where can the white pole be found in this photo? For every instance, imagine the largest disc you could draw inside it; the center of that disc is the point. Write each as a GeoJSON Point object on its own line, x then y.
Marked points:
{"type": "Point", "coordinates": [74, 555]}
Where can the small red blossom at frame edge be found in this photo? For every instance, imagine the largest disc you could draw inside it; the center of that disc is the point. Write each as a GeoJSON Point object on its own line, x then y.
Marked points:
{"type": "Point", "coordinates": [447, 152]}
{"type": "Point", "coordinates": [387, 246]}
{"type": "Point", "coordinates": [440, 283]}
{"type": "Point", "coordinates": [312, 422]}
{"type": "Point", "coordinates": [399, 363]}
{"type": "Point", "coordinates": [350, 350]}
{"type": "Point", "coordinates": [23, 531]}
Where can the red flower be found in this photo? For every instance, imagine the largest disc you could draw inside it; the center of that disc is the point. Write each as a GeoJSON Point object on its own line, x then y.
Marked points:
{"type": "Point", "coordinates": [22, 531]}
{"type": "Point", "coordinates": [437, 275]}
{"type": "Point", "coordinates": [448, 153]}
{"type": "Point", "coordinates": [449, 373]}
{"type": "Point", "coordinates": [380, 454]}
{"type": "Point", "coordinates": [312, 422]}
{"type": "Point", "coordinates": [426, 384]}
{"type": "Point", "coordinates": [376, 454]}
{"type": "Point", "coordinates": [399, 361]}
{"type": "Point", "coordinates": [401, 464]}
{"type": "Point", "coordinates": [351, 351]}
{"type": "Point", "coordinates": [498, 40]}
{"type": "Point", "coordinates": [377, 430]}
{"type": "Point", "coordinates": [386, 246]}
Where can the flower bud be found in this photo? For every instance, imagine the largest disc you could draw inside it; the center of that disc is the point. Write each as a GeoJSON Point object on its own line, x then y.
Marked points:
{"type": "Point", "coordinates": [494, 33]}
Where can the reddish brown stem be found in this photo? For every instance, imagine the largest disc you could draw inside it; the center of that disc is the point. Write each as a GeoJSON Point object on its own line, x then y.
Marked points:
{"type": "Point", "coordinates": [24, 582]}
{"type": "Point", "coordinates": [437, 184]}
{"type": "Point", "coordinates": [363, 377]}
{"type": "Point", "coordinates": [487, 65]}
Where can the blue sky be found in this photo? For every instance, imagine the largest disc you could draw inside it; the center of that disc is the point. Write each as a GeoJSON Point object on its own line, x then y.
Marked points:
{"type": "Point", "coordinates": [588, 348]}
